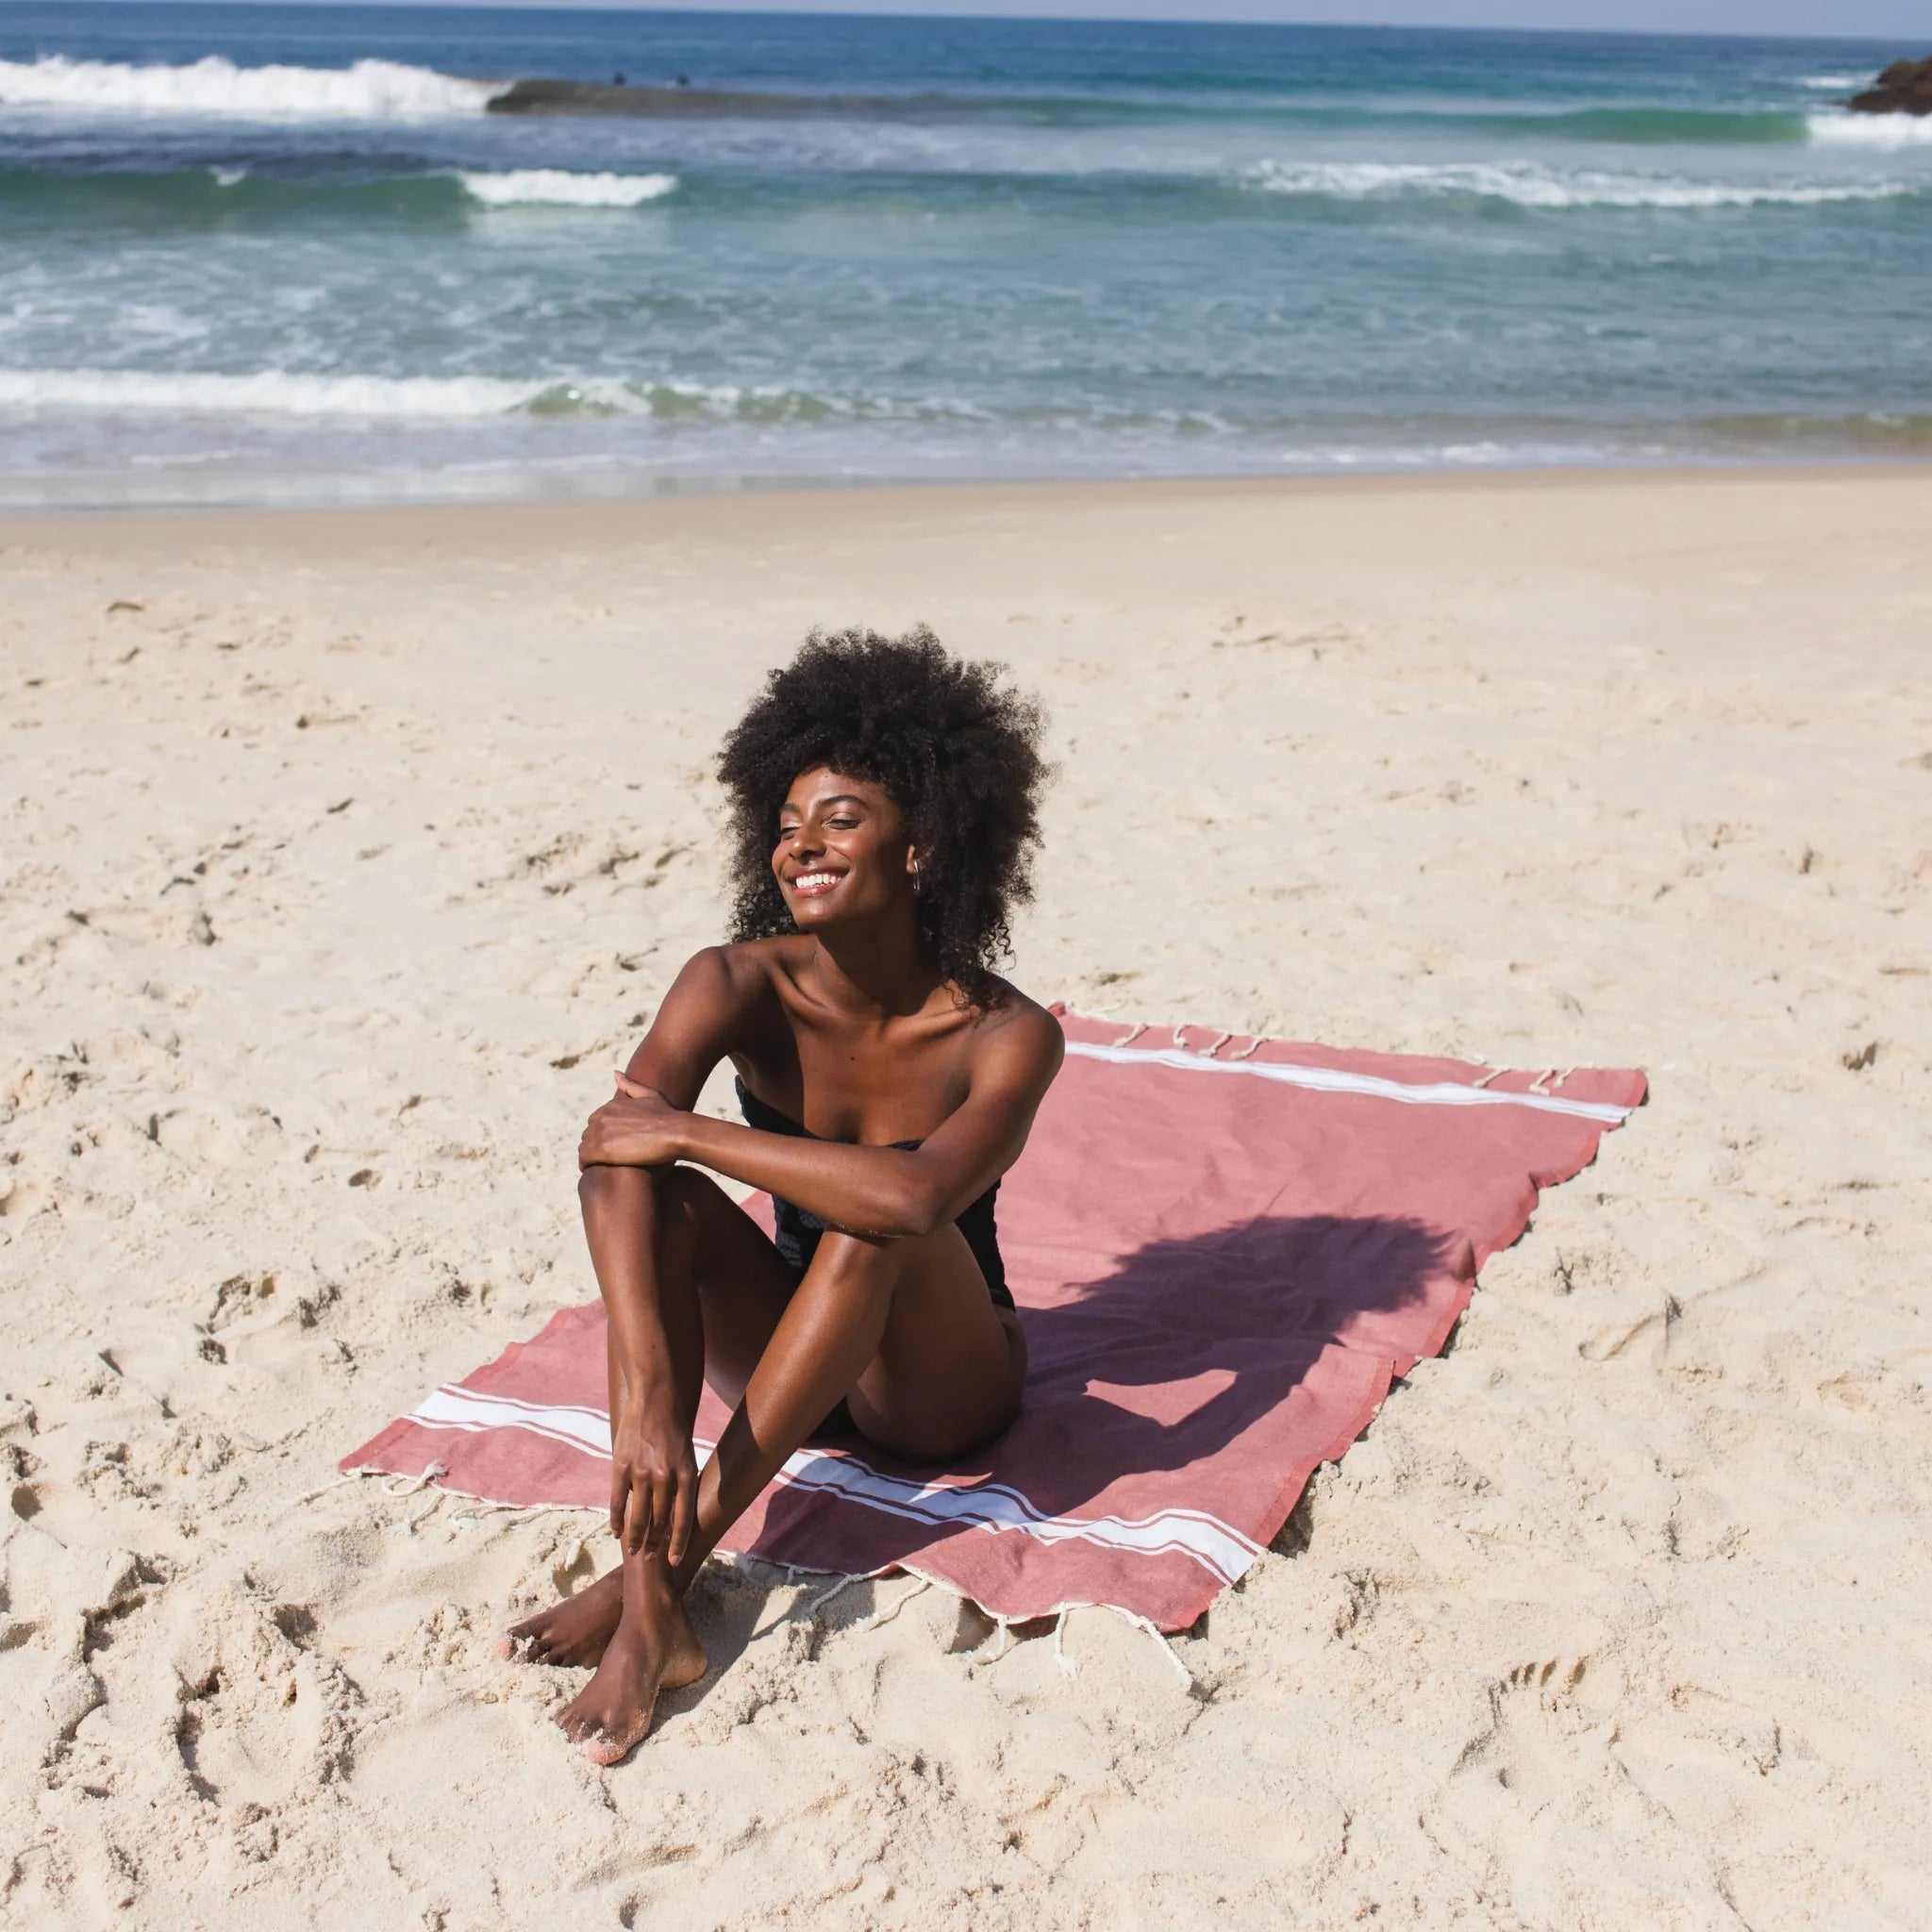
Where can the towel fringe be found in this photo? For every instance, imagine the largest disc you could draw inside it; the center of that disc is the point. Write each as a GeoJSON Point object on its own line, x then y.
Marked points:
{"type": "Point", "coordinates": [786, 1614]}
{"type": "Point", "coordinates": [1068, 1666]}
{"type": "Point", "coordinates": [1003, 1629]}
{"type": "Point", "coordinates": [1180, 1034]}
{"type": "Point", "coordinates": [1173, 1655]}
{"type": "Point", "coordinates": [409, 1485]}
{"type": "Point", "coordinates": [348, 1476]}
{"type": "Point", "coordinates": [485, 1504]}
{"type": "Point", "coordinates": [1170, 1653]}
{"type": "Point", "coordinates": [424, 1514]}
{"type": "Point", "coordinates": [886, 1616]}
{"type": "Point", "coordinates": [826, 1596]}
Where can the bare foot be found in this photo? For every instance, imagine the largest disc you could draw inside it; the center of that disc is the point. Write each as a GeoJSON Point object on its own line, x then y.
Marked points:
{"type": "Point", "coordinates": [573, 1631]}
{"type": "Point", "coordinates": [653, 1649]}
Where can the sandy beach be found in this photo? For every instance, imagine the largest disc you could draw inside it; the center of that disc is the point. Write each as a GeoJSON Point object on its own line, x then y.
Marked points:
{"type": "Point", "coordinates": [341, 852]}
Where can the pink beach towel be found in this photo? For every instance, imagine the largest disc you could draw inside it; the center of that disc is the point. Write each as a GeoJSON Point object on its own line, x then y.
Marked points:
{"type": "Point", "coordinates": [1222, 1254]}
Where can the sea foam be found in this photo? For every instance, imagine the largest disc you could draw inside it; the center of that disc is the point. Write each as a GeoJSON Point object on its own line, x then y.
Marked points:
{"type": "Point", "coordinates": [1528, 185]}
{"type": "Point", "coordinates": [368, 91]}
{"type": "Point", "coordinates": [448, 398]}
{"type": "Point", "coordinates": [1871, 130]}
{"type": "Point", "coordinates": [267, 392]}
{"type": "Point", "coordinates": [558, 187]}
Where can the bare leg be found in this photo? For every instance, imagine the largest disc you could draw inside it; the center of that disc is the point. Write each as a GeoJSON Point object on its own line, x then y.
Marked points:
{"type": "Point", "coordinates": [719, 1273]}
{"type": "Point", "coordinates": [907, 1328]}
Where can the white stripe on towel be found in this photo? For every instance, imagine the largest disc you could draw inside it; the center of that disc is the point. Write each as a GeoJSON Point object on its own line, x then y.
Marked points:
{"type": "Point", "coordinates": [1216, 1546]}
{"type": "Point", "coordinates": [1332, 1080]}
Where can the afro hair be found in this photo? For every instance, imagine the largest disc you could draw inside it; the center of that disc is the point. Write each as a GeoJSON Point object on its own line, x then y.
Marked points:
{"type": "Point", "coordinates": [954, 749]}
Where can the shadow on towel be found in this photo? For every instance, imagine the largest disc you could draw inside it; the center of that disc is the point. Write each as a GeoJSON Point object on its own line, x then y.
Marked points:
{"type": "Point", "coordinates": [1187, 1344]}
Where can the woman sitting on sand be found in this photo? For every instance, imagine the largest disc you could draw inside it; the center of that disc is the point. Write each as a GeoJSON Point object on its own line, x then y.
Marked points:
{"type": "Point", "coordinates": [883, 817]}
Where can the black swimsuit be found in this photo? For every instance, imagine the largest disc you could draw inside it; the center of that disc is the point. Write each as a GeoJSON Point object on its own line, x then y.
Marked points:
{"type": "Point", "coordinates": [796, 1233]}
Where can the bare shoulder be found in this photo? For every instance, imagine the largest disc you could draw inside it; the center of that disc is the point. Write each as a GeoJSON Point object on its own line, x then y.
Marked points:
{"type": "Point", "coordinates": [737, 973]}
{"type": "Point", "coordinates": [723, 991]}
{"type": "Point", "coordinates": [776, 965]}
{"type": "Point", "coordinates": [1018, 1035]}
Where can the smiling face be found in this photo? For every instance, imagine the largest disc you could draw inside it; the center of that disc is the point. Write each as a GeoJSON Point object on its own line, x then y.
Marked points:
{"type": "Point", "coordinates": [841, 853]}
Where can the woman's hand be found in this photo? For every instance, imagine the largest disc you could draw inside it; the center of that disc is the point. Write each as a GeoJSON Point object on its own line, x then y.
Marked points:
{"type": "Point", "coordinates": [653, 1475]}
{"type": "Point", "coordinates": [636, 1127]}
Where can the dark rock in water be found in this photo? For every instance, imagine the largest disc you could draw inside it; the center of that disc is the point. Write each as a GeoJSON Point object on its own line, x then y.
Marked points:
{"type": "Point", "coordinates": [1904, 87]}
{"type": "Point", "coordinates": [684, 102]}
{"type": "Point", "coordinates": [588, 97]}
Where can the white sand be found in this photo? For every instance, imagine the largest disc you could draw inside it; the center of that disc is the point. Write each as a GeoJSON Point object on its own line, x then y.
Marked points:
{"type": "Point", "coordinates": [336, 871]}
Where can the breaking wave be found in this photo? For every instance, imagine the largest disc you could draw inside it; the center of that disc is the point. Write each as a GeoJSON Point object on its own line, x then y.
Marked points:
{"type": "Point", "coordinates": [368, 91]}
{"type": "Point", "coordinates": [1528, 185]}
{"type": "Point", "coordinates": [445, 398]}
{"type": "Point", "coordinates": [1871, 130]}
{"type": "Point", "coordinates": [267, 393]}
{"type": "Point", "coordinates": [558, 187]}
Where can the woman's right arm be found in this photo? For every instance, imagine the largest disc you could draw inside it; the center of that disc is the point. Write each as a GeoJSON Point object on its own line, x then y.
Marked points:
{"type": "Point", "coordinates": [708, 1014]}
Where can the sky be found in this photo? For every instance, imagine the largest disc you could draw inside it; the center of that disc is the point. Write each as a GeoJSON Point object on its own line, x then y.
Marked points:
{"type": "Point", "coordinates": [1907, 24]}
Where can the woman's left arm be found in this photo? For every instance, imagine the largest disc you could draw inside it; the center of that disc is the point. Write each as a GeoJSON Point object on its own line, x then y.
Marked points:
{"type": "Point", "coordinates": [889, 1194]}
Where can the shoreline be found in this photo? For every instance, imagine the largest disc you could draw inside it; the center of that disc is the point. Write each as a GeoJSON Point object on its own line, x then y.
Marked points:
{"type": "Point", "coordinates": [737, 502]}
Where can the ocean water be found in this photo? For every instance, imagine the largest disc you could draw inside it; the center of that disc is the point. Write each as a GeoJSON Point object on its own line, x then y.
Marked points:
{"type": "Point", "coordinates": [287, 253]}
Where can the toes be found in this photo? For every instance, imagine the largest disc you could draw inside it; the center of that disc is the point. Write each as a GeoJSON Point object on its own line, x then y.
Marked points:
{"type": "Point", "coordinates": [601, 1748]}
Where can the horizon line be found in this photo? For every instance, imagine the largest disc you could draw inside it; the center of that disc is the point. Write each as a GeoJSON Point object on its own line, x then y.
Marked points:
{"type": "Point", "coordinates": [753, 8]}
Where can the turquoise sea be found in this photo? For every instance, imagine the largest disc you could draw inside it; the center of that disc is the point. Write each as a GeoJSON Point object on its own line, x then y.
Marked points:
{"type": "Point", "coordinates": [288, 253]}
